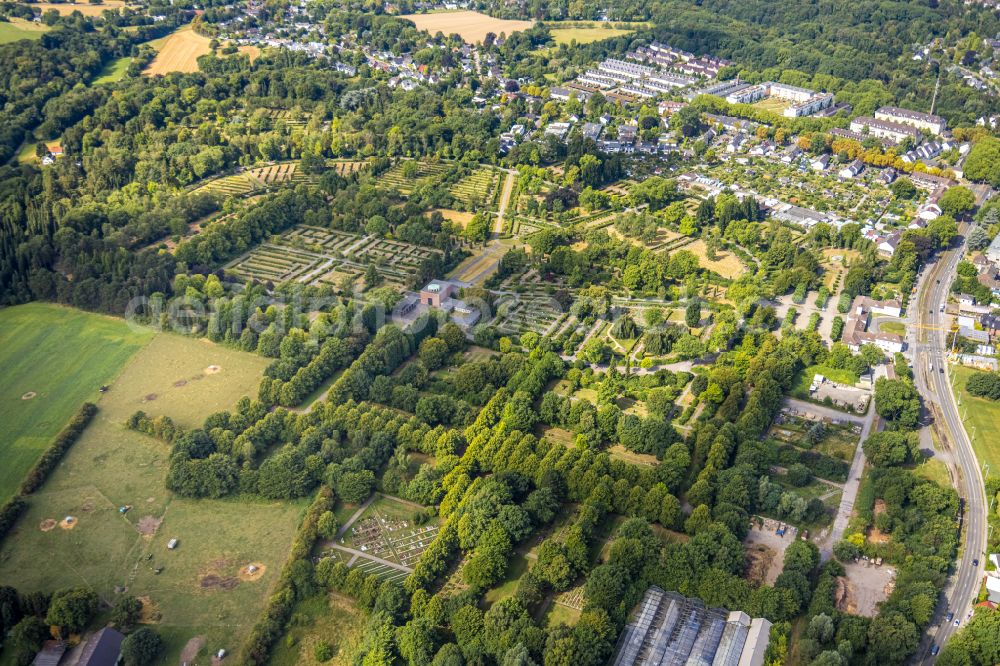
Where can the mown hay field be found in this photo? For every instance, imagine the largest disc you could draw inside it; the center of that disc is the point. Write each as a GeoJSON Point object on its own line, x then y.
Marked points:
{"type": "Point", "coordinates": [15, 29]}
{"type": "Point", "coordinates": [53, 359]}
{"type": "Point", "coordinates": [471, 26]}
{"type": "Point", "coordinates": [200, 590]}
{"type": "Point", "coordinates": [179, 52]}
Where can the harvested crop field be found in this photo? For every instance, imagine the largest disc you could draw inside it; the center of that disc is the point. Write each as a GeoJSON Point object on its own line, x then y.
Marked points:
{"type": "Point", "coordinates": [84, 8]}
{"type": "Point", "coordinates": [471, 26]}
{"type": "Point", "coordinates": [179, 53]}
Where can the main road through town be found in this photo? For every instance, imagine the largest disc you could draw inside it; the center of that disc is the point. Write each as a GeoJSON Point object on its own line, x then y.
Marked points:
{"type": "Point", "coordinates": [933, 381]}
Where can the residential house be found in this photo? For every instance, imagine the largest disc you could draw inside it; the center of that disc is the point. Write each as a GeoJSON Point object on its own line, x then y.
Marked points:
{"type": "Point", "coordinates": [851, 170]}
{"type": "Point", "coordinates": [820, 163]}
{"type": "Point", "coordinates": [890, 243]}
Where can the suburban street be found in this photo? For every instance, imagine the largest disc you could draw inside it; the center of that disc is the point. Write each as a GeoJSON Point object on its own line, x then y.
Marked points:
{"type": "Point", "coordinates": [933, 382]}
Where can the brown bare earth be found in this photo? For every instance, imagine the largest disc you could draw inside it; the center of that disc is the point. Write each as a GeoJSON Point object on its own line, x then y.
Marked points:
{"type": "Point", "coordinates": [67, 523]}
{"type": "Point", "coordinates": [759, 559]}
{"type": "Point", "coordinates": [148, 525]}
{"type": "Point", "coordinates": [471, 26]}
{"type": "Point", "coordinates": [256, 574]}
{"type": "Point", "coordinates": [217, 582]}
{"type": "Point", "coordinates": [149, 614]}
{"type": "Point", "coordinates": [179, 53]}
{"type": "Point", "coordinates": [191, 649]}
{"type": "Point", "coordinates": [213, 370]}
{"type": "Point", "coordinates": [47, 525]}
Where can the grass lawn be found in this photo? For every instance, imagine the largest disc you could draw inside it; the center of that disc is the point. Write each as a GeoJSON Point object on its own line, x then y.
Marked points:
{"type": "Point", "coordinates": [894, 327]}
{"type": "Point", "coordinates": [981, 417]}
{"type": "Point", "coordinates": [63, 356]}
{"type": "Point", "coordinates": [558, 614]}
{"type": "Point", "coordinates": [804, 380]}
{"type": "Point", "coordinates": [334, 619]}
{"type": "Point", "coordinates": [113, 71]}
{"type": "Point", "coordinates": [516, 568]}
{"type": "Point", "coordinates": [16, 29]}
{"type": "Point", "coordinates": [934, 470]}
{"type": "Point", "coordinates": [111, 466]}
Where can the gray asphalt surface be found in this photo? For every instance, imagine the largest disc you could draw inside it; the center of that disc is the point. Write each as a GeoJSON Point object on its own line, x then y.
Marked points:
{"type": "Point", "coordinates": [930, 350]}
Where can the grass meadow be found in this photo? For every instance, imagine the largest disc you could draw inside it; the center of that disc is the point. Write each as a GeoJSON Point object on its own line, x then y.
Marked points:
{"type": "Point", "coordinates": [200, 590]}
{"type": "Point", "coordinates": [16, 29]}
{"type": "Point", "coordinates": [981, 418]}
{"type": "Point", "coordinates": [54, 359]}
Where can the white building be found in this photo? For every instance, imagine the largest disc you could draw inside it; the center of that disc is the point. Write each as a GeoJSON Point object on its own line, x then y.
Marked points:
{"type": "Point", "coordinates": [927, 121]}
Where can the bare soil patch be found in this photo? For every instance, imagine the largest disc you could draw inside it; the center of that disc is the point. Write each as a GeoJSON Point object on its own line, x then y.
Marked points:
{"type": "Point", "coordinates": [252, 571]}
{"type": "Point", "coordinates": [865, 587]}
{"type": "Point", "coordinates": [29, 395]}
{"type": "Point", "coordinates": [148, 525]}
{"type": "Point", "coordinates": [217, 582]}
{"type": "Point", "coordinates": [180, 382]}
{"type": "Point", "coordinates": [759, 559]}
{"type": "Point", "coordinates": [191, 649]}
{"type": "Point", "coordinates": [47, 525]}
{"type": "Point", "coordinates": [213, 370]}
{"type": "Point", "coordinates": [150, 397]}
{"type": "Point", "coordinates": [150, 613]}
{"type": "Point", "coordinates": [68, 523]}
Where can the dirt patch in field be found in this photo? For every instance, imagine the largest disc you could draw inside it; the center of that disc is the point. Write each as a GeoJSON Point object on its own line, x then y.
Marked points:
{"type": "Point", "coordinates": [87, 506]}
{"type": "Point", "coordinates": [252, 571]}
{"type": "Point", "coordinates": [880, 507]}
{"type": "Point", "coordinates": [47, 525]}
{"type": "Point", "coordinates": [148, 525]}
{"type": "Point", "coordinates": [29, 395]}
{"type": "Point", "coordinates": [217, 582]}
{"type": "Point", "coordinates": [191, 649]}
{"type": "Point", "coordinates": [180, 382]}
{"type": "Point", "coordinates": [150, 397]}
{"type": "Point", "coordinates": [150, 613]}
{"type": "Point", "coordinates": [213, 370]}
{"type": "Point", "coordinates": [68, 523]}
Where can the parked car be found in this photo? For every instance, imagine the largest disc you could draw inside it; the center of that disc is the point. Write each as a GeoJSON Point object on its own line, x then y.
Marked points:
{"type": "Point", "coordinates": [935, 649]}
{"type": "Point", "coordinates": [951, 616]}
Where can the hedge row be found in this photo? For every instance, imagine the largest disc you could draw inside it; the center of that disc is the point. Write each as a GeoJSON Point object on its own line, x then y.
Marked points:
{"type": "Point", "coordinates": [279, 607]}
{"type": "Point", "coordinates": [12, 509]}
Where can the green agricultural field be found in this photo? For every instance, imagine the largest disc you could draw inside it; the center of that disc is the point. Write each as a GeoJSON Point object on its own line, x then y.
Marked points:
{"type": "Point", "coordinates": [113, 71]}
{"type": "Point", "coordinates": [54, 359]}
{"type": "Point", "coordinates": [585, 35]}
{"type": "Point", "coordinates": [18, 29]}
{"type": "Point", "coordinates": [111, 466]}
{"type": "Point", "coordinates": [981, 418]}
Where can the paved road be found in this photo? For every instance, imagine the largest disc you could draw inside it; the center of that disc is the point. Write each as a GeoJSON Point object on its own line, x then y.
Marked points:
{"type": "Point", "coordinates": [935, 387]}
{"type": "Point", "coordinates": [852, 484]}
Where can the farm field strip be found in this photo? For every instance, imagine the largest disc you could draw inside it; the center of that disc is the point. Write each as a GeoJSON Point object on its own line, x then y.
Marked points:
{"type": "Point", "coordinates": [471, 26]}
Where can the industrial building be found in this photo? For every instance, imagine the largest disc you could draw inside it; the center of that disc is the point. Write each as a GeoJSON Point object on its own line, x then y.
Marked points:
{"type": "Point", "coordinates": [672, 630]}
